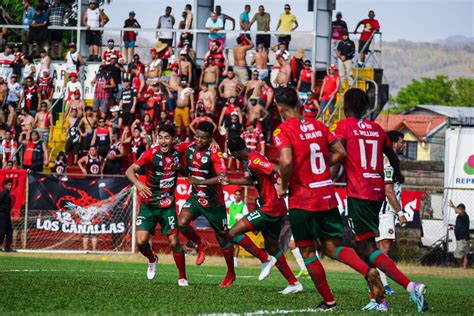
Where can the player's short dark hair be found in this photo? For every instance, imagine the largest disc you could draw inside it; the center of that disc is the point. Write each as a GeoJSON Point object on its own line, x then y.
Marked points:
{"type": "Point", "coordinates": [7, 181]}
{"type": "Point", "coordinates": [286, 96]}
{"type": "Point", "coordinates": [238, 190]}
{"type": "Point", "coordinates": [236, 143]}
{"type": "Point", "coordinates": [167, 128]}
{"type": "Point", "coordinates": [206, 127]}
{"type": "Point", "coordinates": [462, 206]}
{"type": "Point", "coordinates": [395, 136]}
{"type": "Point", "coordinates": [356, 101]}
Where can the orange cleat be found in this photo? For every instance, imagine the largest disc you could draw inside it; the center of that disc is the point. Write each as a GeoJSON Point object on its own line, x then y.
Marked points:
{"type": "Point", "coordinates": [201, 255]}
{"type": "Point", "coordinates": [228, 280]}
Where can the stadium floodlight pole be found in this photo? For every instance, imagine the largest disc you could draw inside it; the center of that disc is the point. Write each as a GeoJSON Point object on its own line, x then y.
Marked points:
{"type": "Point", "coordinates": [134, 218]}
{"type": "Point", "coordinates": [25, 228]}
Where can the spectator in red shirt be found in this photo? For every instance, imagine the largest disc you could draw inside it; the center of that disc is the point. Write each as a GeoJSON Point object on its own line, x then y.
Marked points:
{"type": "Point", "coordinates": [330, 86]}
{"type": "Point", "coordinates": [371, 25]}
{"type": "Point", "coordinates": [130, 37]}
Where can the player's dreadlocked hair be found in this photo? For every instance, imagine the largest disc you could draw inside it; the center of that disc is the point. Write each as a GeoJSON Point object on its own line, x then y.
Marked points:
{"type": "Point", "coordinates": [356, 102]}
{"type": "Point", "coordinates": [206, 127]}
{"type": "Point", "coordinates": [286, 96]}
{"type": "Point", "coordinates": [236, 143]}
{"type": "Point", "coordinates": [167, 129]}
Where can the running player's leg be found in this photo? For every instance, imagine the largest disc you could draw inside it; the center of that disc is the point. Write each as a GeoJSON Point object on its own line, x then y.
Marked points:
{"type": "Point", "coordinates": [365, 220]}
{"type": "Point", "coordinates": [304, 226]}
{"type": "Point", "coordinates": [191, 210]}
{"type": "Point", "coordinates": [237, 234]}
{"type": "Point", "coordinates": [143, 243]}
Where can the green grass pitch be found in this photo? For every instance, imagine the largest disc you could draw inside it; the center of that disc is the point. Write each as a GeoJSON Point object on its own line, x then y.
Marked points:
{"type": "Point", "coordinates": [56, 286]}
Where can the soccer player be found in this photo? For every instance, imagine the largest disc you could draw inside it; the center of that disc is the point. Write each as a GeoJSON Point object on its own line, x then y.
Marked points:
{"type": "Point", "coordinates": [366, 142]}
{"type": "Point", "coordinates": [161, 165]}
{"type": "Point", "coordinates": [205, 165]}
{"type": "Point", "coordinates": [307, 150]}
{"type": "Point", "coordinates": [391, 207]}
{"type": "Point", "coordinates": [268, 217]}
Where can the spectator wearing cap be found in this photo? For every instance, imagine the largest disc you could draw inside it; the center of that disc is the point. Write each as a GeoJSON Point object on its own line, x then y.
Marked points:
{"type": "Point", "coordinates": [166, 21]}
{"type": "Point", "coordinates": [93, 18]}
{"type": "Point", "coordinates": [104, 84]}
{"type": "Point", "coordinates": [185, 67]}
{"type": "Point", "coordinates": [115, 120]}
{"type": "Point", "coordinates": [214, 25]}
{"type": "Point", "coordinates": [371, 25]}
{"type": "Point", "coordinates": [72, 86]}
{"type": "Point", "coordinates": [74, 61]}
{"type": "Point", "coordinates": [329, 88]}
{"type": "Point", "coordinates": [229, 108]}
{"type": "Point", "coordinates": [224, 17]}
{"type": "Point", "coordinates": [297, 64]}
{"type": "Point", "coordinates": [306, 81]}
{"type": "Point", "coordinates": [130, 37]}
{"type": "Point", "coordinates": [256, 111]}
{"type": "Point", "coordinates": [201, 116]}
{"type": "Point", "coordinates": [7, 60]}
{"type": "Point", "coordinates": [58, 12]}
{"type": "Point", "coordinates": [240, 58]}
{"type": "Point", "coordinates": [345, 52]}
{"type": "Point", "coordinates": [77, 104]}
{"type": "Point", "coordinates": [311, 106]}
{"type": "Point", "coordinates": [28, 15]}
{"type": "Point", "coordinates": [153, 68]}
{"type": "Point", "coordinates": [339, 26]}
{"type": "Point", "coordinates": [263, 24]}
{"type": "Point", "coordinates": [38, 31]}
{"type": "Point", "coordinates": [110, 51]}
{"type": "Point", "coordinates": [287, 23]}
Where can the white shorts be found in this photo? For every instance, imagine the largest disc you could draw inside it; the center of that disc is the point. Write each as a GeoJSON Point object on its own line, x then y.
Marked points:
{"type": "Point", "coordinates": [386, 226]}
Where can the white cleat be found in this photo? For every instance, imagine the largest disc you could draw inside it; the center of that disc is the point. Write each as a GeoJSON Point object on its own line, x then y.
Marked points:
{"type": "Point", "coordinates": [236, 262]}
{"type": "Point", "coordinates": [183, 282]}
{"type": "Point", "coordinates": [267, 268]}
{"type": "Point", "coordinates": [150, 274]}
{"type": "Point", "coordinates": [290, 289]}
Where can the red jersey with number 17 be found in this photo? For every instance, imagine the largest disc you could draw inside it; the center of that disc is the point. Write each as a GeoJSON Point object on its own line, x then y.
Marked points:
{"type": "Point", "coordinates": [365, 141]}
{"type": "Point", "coordinates": [265, 180]}
{"type": "Point", "coordinates": [310, 188]}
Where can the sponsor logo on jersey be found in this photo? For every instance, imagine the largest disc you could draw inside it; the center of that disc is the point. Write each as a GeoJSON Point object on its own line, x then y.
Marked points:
{"type": "Point", "coordinates": [167, 183]}
{"type": "Point", "coordinates": [256, 161]}
{"type": "Point", "coordinates": [220, 155]}
{"type": "Point", "coordinates": [276, 132]}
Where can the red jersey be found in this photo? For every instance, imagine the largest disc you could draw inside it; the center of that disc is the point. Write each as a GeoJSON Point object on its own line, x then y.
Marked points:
{"type": "Point", "coordinates": [136, 83]}
{"type": "Point", "coordinates": [330, 87]}
{"type": "Point", "coordinates": [370, 26]}
{"type": "Point", "coordinates": [310, 187]}
{"type": "Point", "coordinates": [265, 180]}
{"type": "Point", "coordinates": [8, 148]}
{"type": "Point", "coordinates": [365, 141]}
{"type": "Point", "coordinates": [160, 178]}
{"type": "Point", "coordinates": [45, 85]}
{"type": "Point", "coordinates": [31, 97]}
{"type": "Point", "coordinates": [310, 109]}
{"type": "Point", "coordinates": [137, 146]}
{"type": "Point", "coordinates": [306, 75]}
{"type": "Point", "coordinates": [231, 108]}
{"type": "Point", "coordinates": [107, 53]}
{"type": "Point", "coordinates": [204, 164]}
{"type": "Point", "coordinates": [253, 139]}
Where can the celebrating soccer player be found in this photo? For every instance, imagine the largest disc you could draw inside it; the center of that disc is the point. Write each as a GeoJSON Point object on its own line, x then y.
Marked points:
{"type": "Point", "coordinates": [205, 165]}
{"type": "Point", "coordinates": [307, 150]}
{"type": "Point", "coordinates": [158, 205]}
{"type": "Point", "coordinates": [366, 142]}
{"type": "Point", "coordinates": [267, 218]}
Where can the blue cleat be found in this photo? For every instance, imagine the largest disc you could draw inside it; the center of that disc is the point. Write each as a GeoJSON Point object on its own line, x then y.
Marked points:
{"type": "Point", "coordinates": [389, 291]}
{"type": "Point", "coordinates": [418, 296]}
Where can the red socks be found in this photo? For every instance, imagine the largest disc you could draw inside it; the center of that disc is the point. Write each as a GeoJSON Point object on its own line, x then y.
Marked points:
{"type": "Point", "coordinates": [316, 271]}
{"type": "Point", "coordinates": [247, 243]}
{"type": "Point", "coordinates": [190, 234]}
{"type": "Point", "coordinates": [385, 264]}
{"type": "Point", "coordinates": [228, 252]}
{"type": "Point", "coordinates": [180, 261]}
{"type": "Point", "coordinates": [349, 257]}
{"type": "Point", "coordinates": [282, 265]}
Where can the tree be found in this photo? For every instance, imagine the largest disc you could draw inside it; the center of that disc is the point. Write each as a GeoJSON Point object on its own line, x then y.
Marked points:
{"type": "Point", "coordinates": [437, 91]}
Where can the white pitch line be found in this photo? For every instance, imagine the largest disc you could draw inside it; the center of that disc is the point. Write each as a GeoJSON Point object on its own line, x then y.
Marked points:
{"type": "Point", "coordinates": [266, 312]}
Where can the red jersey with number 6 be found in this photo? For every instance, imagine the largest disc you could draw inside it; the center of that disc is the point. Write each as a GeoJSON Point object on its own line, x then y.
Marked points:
{"type": "Point", "coordinates": [310, 188]}
{"type": "Point", "coordinates": [365, 141]}
{"type": "Point", "coordinates": [265, 180]}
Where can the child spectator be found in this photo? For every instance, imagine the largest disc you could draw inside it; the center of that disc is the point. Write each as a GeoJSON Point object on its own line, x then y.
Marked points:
{"type": "Point", "coordinates": [60, 163]}
{"type": "Point", "coordinates": [9, 146]}
{"type": "Point", "coordinates": [46, 87]}
{"type": "Point", "coordinates": [73, 134]}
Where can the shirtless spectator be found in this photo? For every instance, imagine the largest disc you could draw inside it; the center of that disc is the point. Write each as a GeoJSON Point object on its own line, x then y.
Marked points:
{"type": "Point", "coordinates": [76, 103]}
{"type": "Point", "coordinates": [281, 54]}
{"type": "Point", "coordinates": [253, 88]}
{"type": "Point", "coordinates": [230, 86]}
{"type": "Point", "coordinates": [44, 123]}
{"type": "Point", "coordinates": [86, 127]}
{"type": "Point", "coordinates": [189, 17]}
{"type": "Point", "coordinates": [208, 98]}
{"type": "Point", "coordinates": [240, 61]}
{"type": "Point", "coordinates": [185, 68]}
{"type": "Point", "coordinates": [260, 59]}
{"type": "Point", "coordinates": [284, 75]}
{"type": "Point", "coordinates": [11, 117]}
{"type": "Point", "coordinates": [253, 138]}
{"type": "Point", "coordinates": [172, 86]}
{"type": "Point", "coordinates": [26, 122]}
{"type": "Point", "coordinates": [210, 74]}
{"type": "Point", "coordinates": [73, 144]}
{"type": "Point", "coordinates": [3, 90]}
{"type": "Point", "coordinates": [153, 68]}
{"type": "Point", "coordinates": [256, 112]}
{"type": "Point", "coordinates": [184, 107]}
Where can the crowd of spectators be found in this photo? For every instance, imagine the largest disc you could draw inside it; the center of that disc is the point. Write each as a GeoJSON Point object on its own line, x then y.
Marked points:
{"type": "Point", "coordinates": [132, 99]}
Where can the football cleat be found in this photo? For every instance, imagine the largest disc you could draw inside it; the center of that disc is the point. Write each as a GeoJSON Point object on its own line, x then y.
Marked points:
{"type": "Point", "coordinates": [323, 307]}
{"type": "Point", "coordinates": [267, 268]}
{"type": "Point", "coordinates": [292, 288]}
{"type": "Point", "coordinates": [302, 273]}
{"type": "Point", "coordinates": [418, 296]}
{"type": "Point", "coordinates": [389, 291]}
{"type": "Point", "coordinates": [228, 280]}
{"type": "Point", "coordinates": [201, 255]}
{"type": "Point", "coordinates": [183, 282]}
{"type": "Point", "coordinates": [150, 273]}
{"type": "Point", "coordinates": [370, 307]}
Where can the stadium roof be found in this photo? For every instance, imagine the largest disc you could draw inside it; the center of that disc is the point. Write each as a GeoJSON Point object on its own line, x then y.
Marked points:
{"type": "Point", "coordinates": [421, 126]}
{"type": "Point", "coordinates": [448, 111]}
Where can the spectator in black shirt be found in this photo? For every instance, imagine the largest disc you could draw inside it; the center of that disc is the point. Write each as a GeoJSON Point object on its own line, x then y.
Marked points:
{"type": "Point", "coordinates": [461, 232]}
{"type": "Point", "coordinates": [128, 103]}
{"type": "Point", "coordinates": [6, 228]}
{"type": "Point", "coordinates": [115, 69]}
{"type": "Point", "coordinates": [345, 52]}
{"type": "Point", "coordinates": [339, 26]}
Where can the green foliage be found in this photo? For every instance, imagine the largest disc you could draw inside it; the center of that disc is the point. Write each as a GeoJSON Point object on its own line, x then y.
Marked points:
{"type": "Point", "coordinates": [437, 91]}
{"type": "Point", "coordinates": [64, 287]}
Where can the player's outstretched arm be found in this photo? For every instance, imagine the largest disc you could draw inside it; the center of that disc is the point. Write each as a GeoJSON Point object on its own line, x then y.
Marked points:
{"type": "Point", "coordinates": [241, 181]}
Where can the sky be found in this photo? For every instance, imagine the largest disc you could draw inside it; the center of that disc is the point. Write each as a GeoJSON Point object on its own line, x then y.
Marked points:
{"type": "Point", "coordinates": [414, 20]}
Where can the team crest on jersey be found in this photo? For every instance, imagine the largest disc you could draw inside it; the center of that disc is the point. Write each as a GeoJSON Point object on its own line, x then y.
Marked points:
{"type": "Point", "coordinates": [204, 159]}
{"type": "Point", "coordinates": [203, 202]}
{"type": "Point", "coordinates": [165, 202]}
{"type": "Point", "coordinates": [390, 231]}
{"type": "Point", "coordinates": [276, 132]}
